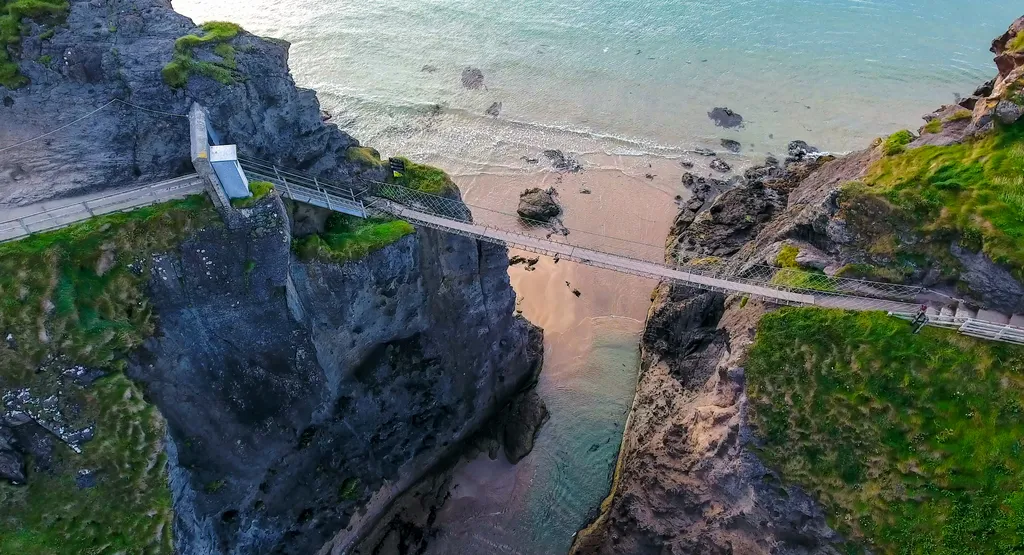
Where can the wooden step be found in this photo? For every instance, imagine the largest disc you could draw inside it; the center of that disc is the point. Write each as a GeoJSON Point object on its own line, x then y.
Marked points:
{"type": "Point", "coordinates": [946, 312]}
{"type": "Point", "coordinates": [932, 311]}
{"type": "Point", "coordinates": [993, 317]}
{"type": "Point", "coordinates": [1017, 320]}
{"type": "Point", "coordinates": [965, 312]}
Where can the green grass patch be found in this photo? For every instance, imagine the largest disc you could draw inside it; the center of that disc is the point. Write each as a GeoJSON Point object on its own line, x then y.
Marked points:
{"type": "Point", "coordinates": [897, 142]}
{"type": "Point", "coordinates": [973, 190]}
{"type": "Point", "coordinates": [349, 238]}
{"type": "Point", "coordinates": [12, 12]}
{"type": "Point", "coordinates": [183, 65]}
{"type": "Point", "coordinates": [364, 155]}
{"type": "Point", "coordinates": [960, 115]}
{"type": "Point", "coordinates": [913, 443]}
{"type": "Point", "coordinates": [76, 296]}
{"type": "Point", "coordinates": [1017, 43]}
{"type": "Point", "coordinates": [792, 275]}
{"type": "Point", "coordinates": [933, 126]}
{"type": "Point", "coordinates": [426, 179]}
{"type": "Point", "coordinates": [350, 489]}
{"type": "Point", "coordinates": [259, 189]}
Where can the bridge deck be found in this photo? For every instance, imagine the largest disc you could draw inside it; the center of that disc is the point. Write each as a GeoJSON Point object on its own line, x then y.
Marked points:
{"type": "Point", "coordinates": [45, 216]}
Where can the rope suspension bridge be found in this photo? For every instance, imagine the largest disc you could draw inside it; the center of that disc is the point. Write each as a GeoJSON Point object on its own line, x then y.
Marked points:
{"type": "Point", "coordinates": [367, 199]}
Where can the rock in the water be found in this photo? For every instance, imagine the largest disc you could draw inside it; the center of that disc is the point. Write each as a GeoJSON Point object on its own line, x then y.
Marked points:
{"type": "Point", "coordinates": [686, 164]}
{"type": "Point", "coordinates": [731, 145]}
{"type": "Point", "coordinates": [718, 164]}
{"type": "Point", "coordinates": [538, 204]}
{"type": "Point", "coordinates": [584, 191]}
{"type": "Point", "coordinates": [494, 110]}
{"type": "Point", "coordinates": [563, 162]}
{"type": "Point", "coordinates": [522, 422]}
{"type": "Point", "coordinates": [704, 152]}
{"type": "Point", "coordinates": [724, 117]}
{"type": "Point", "coordinates": [428, 69]}
{"type": "Point", "coordinates": [798, 150]}
{"type": "Point", "coordinates": [472, 78]}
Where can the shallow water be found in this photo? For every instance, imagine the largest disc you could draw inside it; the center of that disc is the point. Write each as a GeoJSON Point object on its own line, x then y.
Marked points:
{"type": "Point", "coordinates": [626, 84]}
{"type": "Point", "coordinates": [627, 77]}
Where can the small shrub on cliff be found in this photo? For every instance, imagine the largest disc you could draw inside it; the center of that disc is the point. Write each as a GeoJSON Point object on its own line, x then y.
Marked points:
{"type": "Point", "coordinates": [897, 142]}
{"type": "Point", "coordinates": [790, 274]}
{"type": "Point", "coordinates": [1017, 44]}
{"type": "Point", "coordinates": [348, 238]}
{"type": "Point", "coordinates": [184, 64]}
{"type": "Point", "coordinates": [426, 179]}
{"type": "Point", "coordinates": [913, 442]}
{"type": "Point", "coordinates": [259, 189]}
{"type": "Point", "coordinates": [364, 155]}
{"type": "Point", "coordinates": [933, 126]}
{"type": "Point", "coordinates": [11, 14]}
{"type": "Point", "coordinates": [960, 115]}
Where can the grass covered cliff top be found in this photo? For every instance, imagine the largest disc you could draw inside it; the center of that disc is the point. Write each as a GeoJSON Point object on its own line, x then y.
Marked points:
{"type": "Point", "coordinates": [971, 192]}
{"type": "Point", "coordinates": [347, 238]}
{"type": "Point", "coordinates": [75, 298]}
{"type": "Point", "coordinates": [913, 443]}
{"type": "Point", "coordinates": [184, 63]}
{"type": "Point", "coordinates": [11, 14]}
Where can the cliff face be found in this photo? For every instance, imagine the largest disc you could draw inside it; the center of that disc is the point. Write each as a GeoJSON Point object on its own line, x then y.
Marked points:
{"type": "Point", "coordinates": [116, 49]}
{"type": "Point", "coordinates": [296, 394]}
{"type": "Point", "coordinates": [300, 397]}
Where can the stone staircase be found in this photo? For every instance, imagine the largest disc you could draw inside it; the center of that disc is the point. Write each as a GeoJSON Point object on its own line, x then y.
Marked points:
{"type": "Point", "coordinates": [986, 324]}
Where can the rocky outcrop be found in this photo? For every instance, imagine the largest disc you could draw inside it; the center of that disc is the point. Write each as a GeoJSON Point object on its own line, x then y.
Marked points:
{"type": "Point", "coordinates": [1004, 100]}
{"type": "Point", "coordinates": [302, 398]}
{"type": "Point", "coordinates": [115, 49]}
{"type": "Point", "coordinates": [687, 479]}
{"type": "Point", "coordinates": [538, 205]}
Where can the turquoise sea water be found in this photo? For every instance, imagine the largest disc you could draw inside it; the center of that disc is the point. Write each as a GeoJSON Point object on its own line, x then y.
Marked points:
{"type": "Point", "coordinates": [625, 77]}
{"type": "Point", "coordinates": [598, 77]}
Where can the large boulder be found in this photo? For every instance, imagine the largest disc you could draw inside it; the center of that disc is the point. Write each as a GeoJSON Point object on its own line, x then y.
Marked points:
{"type": "Point", "coordinates": [538, 204]}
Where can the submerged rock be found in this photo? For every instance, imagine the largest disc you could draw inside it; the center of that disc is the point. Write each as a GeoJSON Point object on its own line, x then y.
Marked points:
{"type": "Point", "coordinates": [704, 151]}
{"type": "Point", "coordinates": [731, 145]}
{"type": "Point", "coordinates": [538, 204]}
{"type": "Point", "coordinates": [563, 162]}
{"type": "Point", "coordinates": [472, 78]}
{"type": "Point", "coordinates": [523, 421]}
{"type": "Point", "coordinates": [719, 165]}
{"type": "Point", "coordinates": [494, 110]}
{"type": "Point", "coordinates": [724, 117]}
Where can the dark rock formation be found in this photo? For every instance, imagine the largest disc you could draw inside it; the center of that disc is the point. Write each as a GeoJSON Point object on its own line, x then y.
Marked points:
{"type": "Point", "coordinates": [312, 387]}
{"type": "Point", "coordinates": [563, 162]}
{"type": "Point", "coordinates": [731, 145]}
{"type": "Point", "coordinates": [704, 151]}
{"type": "Point", "coordinates": [724, 117]}
{"type": "Point", "coordinates": [799, 150]}
{"type": "Point", "coordinates": [472, 78]}
{"type": "Point", "coordinates": [1004, 100]}
{"type": "Point", "coordinates": [494, 110]}
{"type": "Point", "coordinates": [12, 461]}
{"type": "Point", "coordinates": [719, 165]}
{"type": "Point", "coordinates": [538, 205]}
{"type": "Point", "coordinates": [265, 113]}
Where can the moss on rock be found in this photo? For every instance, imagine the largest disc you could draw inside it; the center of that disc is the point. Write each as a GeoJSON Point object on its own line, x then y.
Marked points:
{"type": "Point", "coordinates": [11, 14]}
{"type": "Point", "coordinates": [184, 64]}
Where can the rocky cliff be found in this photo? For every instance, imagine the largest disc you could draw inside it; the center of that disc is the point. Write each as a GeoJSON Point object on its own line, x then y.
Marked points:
{"type": "Point", "coordinates": [298, 394]}
{"type": "Point", "coordinates": [116, 50]}
{"type": "Point", "coordinates": [301, 397]}
{"type": "Point", "coordinates": [689, 479]}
